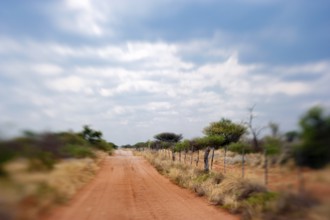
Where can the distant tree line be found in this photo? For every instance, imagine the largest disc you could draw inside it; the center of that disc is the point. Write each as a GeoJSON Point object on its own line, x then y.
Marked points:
{"type": "Point", "coordinates": [309, 146]}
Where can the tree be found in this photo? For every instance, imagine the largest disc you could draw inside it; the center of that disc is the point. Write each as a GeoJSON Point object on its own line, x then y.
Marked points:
{"type": "Point", "coordinates": [315, 135]}
{"type": "Point", "coordinates": [140, 145]}
{"type": "Point", "coordinates": [169, 138]}
{"type": "Point", "coordinates": [255, 131]}
{"type": "Point", "coordinates": [231, 132]}
{"type": "Point", "coordinates": [91, 135]}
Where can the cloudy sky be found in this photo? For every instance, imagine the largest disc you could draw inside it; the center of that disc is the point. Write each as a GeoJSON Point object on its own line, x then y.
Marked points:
{"type": "Point", "coordinates": [133, 69]}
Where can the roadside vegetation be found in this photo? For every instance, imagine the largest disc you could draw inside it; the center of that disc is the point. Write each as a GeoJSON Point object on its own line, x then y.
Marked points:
{"type": "Point", "coordinates": [38, 171]}
{"type": "Point", "coordinates": [191, 164]}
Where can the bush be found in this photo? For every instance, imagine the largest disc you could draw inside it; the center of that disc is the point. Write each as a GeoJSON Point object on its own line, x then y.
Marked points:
{"type": "Point", "coordinates": [239, 146]}
{"type": "Point", "coordinates": [5, 155]}
{"type": "Point", "coordinates": [71, 138]}
{"type": "Point", "coordinates": [78, 151]}
{"type": "Point", "coordinates": [272, 145]}
{"type": "Point", "coordinates": [103, 145]}
{"type": "Point", "coordinates": [314, 151]}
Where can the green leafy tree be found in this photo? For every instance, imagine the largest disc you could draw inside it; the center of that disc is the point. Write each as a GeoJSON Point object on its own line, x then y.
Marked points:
{"type": "Point", "coordinates": [315, 135]}
{"type": "Point", "coordinates": [229, 131]}
{"type": "Point", "coordinates": [226, 129]}
{"type": "Point", "coordinates": [91, 135]}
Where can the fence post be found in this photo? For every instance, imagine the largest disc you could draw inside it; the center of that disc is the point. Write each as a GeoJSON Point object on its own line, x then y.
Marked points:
{"type": "Point", "coordinates": [212, 158]}
{"type": "Point", "coordinates": [224, 160]}
{"type": "Point", "coordinates": [197, 158]}
{"type": "Point", "coordinates": [243, 162]}
{"type": "Point", "coordinates": [266, 167]}
{"type": "Point", "coordinates": [185, 156]}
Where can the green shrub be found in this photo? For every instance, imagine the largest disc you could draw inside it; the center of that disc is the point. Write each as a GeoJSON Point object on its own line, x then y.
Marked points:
{"type": "Point", "coordinates": [314, 151]}
{"type": "Point", "coordinates": [5, 155]}
{"type": "Point", "coordinates": [272, 145]}
{"type": "Point", "coordinates": [261, 199]}
{"type": "Point", "coordinates": [202, 177]}
{"type": "Point", "coordinates": [42, 161]}
{"type": "Point", "coordinates": [239, 146]}
{"type": "Point", "coordinates": [78, 151]}
{"type": "Point", "coordinates": [103, 145]}
{"type": "Point", "coordinates": [71, 138]}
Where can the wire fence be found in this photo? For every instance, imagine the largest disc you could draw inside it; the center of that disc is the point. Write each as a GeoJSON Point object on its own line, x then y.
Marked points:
{"type": "Point", "coordinates": [278, 178]}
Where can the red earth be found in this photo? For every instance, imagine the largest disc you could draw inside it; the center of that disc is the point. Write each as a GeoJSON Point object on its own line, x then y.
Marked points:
{"type": "Point", "coordinates": [128, 187]}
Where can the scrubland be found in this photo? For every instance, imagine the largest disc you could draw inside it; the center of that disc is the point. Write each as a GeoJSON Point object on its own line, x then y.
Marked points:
{"type": "Point", "coordinates": [27, 194]}
{"type": "Point", "coordinates": [249, 197]}
{"type": "Point", "coordinates": [38, 171]}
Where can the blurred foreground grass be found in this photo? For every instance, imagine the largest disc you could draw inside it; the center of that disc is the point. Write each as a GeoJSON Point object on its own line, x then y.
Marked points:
{"type": "Point", "coordinates": [40, 170]}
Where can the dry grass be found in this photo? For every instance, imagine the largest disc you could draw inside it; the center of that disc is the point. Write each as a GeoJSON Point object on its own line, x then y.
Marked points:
{"type": "Point", "coordinates": [237, 195]}
{"type": "Point", "coordinates": [25, 194]}
{"type": "Point", "coordinates": [218, 188]}
{"type": "Point", "coordinates": [320, 212]}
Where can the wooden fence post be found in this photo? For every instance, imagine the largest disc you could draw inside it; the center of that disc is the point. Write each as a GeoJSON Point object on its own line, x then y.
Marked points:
{"type": "Point", "coordinates": [197, 158]}
{"type": "Point", "coordinates": [243, 162]}
{"type": "Point", "coordinates": [224, 160]}
{"type": "Point", "coordinates": [185, 156]}
{"type": "Point", "coordinates": [266, 166]}
{"type": "Point", "coordinates": [212, 158]}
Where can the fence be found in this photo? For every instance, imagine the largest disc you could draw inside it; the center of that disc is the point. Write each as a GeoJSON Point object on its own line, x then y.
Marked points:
{"type": "Point", "coordinates": [278, 178]}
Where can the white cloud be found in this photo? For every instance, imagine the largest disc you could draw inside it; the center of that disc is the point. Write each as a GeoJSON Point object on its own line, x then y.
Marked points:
{"type": "Point", "coordinates": [68, 84]}
{"type": "Point", "coordinates": [83, 16]}
{"type": "Point", "coordinates": [155, 106]}
{"type": "Point", "coordinates": [47, 69]}
{"type": "Point", "coordinates": [147, 83]}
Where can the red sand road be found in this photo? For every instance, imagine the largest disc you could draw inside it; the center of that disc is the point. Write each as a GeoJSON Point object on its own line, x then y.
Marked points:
{"type": "Point", "coordinates": [128, 187]}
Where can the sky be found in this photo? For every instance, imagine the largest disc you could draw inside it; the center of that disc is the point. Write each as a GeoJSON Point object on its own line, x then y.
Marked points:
{"type": "Point", "coordinates": [133, 69]}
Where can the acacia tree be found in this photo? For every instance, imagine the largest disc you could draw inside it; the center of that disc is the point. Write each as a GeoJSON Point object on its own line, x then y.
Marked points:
{"type": "Point", "coordinates": [230, 132]}
{"type": "Point", "coordinates": [170, 138]}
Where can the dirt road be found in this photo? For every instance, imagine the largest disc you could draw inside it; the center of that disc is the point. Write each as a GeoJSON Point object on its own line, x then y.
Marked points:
{"type": "Point", "coordinates": [127, 187]}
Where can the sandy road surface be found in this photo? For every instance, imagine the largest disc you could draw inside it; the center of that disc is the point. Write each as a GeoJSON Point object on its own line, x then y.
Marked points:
{"type": "Point", "coordinates": [127, 187]}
